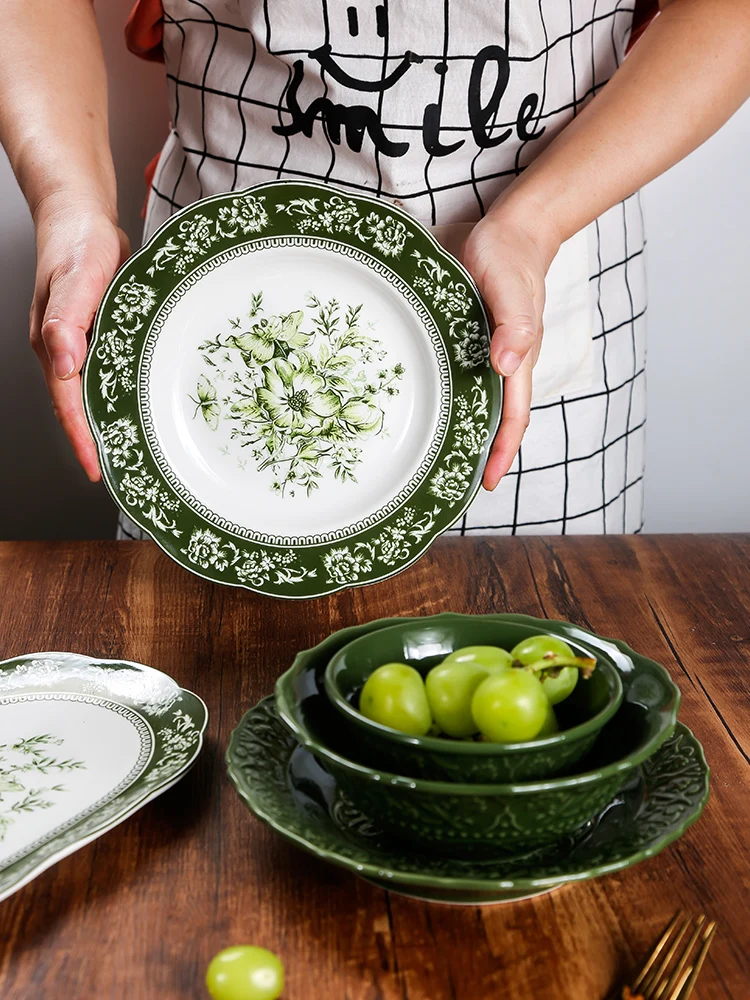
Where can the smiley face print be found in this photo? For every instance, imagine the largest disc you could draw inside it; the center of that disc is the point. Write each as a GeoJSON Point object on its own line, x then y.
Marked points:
{"type": "Point", "coordinates": [409, 86]}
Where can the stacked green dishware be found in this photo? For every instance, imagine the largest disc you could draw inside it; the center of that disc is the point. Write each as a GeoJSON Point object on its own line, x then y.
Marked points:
{"type": "Point", "coordinates": [468, 820]}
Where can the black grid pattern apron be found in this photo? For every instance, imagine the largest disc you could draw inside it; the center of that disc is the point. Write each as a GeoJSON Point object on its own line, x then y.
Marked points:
{"type": "Point", "coordinates": [436, 106]}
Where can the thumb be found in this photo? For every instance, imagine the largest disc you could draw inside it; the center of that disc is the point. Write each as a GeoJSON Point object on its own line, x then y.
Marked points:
{"type": "Point", "coordinates": [516, 309]}
{"type": "Point", "coordinates": [73, 298]}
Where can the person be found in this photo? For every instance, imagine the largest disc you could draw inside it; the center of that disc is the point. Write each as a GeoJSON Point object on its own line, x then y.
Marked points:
{"type": "Point", "coordinates": [521, 131]}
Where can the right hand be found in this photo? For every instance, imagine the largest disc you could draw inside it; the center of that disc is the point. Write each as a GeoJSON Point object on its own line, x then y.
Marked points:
{"type": "Point", "coordinates": [79, 248]}
{"type": "Point", "coordinates": [509, 262]}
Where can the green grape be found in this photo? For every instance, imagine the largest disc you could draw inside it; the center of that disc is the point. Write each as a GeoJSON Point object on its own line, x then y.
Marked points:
{"type": "Point", "coordinates": [450, 686]}
{"type": "Point", "coordinates": [491, 658]}
{"type": "Point", "coordinates": [550, 726]}
{"type": "Point", "coordinates": [558, 688]}
{"type": "Point", "coordinates": [535, 648]}
{"type": "Point", "coordinates": [245, 972]}
{"type": "Point", "coordinates": [394, 695]}
{"type": "Point", "coordinates": [510, 707]}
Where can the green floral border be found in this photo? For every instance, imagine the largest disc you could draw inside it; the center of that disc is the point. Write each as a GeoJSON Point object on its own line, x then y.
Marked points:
{"type": "Point", "coordinates": [299, 211]}
{"type": "Point", "coordinates": [177, 740]}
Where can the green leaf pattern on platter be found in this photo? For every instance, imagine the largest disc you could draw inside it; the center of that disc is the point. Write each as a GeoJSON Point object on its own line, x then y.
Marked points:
{"type": "Point", "coordinates": [23, 764]}
{"type": "Point", "coordinates": [256, 567]}
{"type": "Point", "coordinates": [640, 821]}
{"type": "Point", "coordinates": [307, 414]}
{"type": "Point", "coordinates": [195, 236]}
{"type": "Point", "coordinates": [116, 347]}
{"type": "Point", "coordinates": [451, 481]}
{"type": "Point", "coordinates": [393, 545]}
{"type": "Point", "coordinates": [452, 299]}
{"type": "Point", "coordinates": [178, 743]}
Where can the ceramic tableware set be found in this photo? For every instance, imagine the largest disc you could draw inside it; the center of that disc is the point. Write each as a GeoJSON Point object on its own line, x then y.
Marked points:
{"type": "Point", "coordinates": [461, 821]}
{"type": "Point", "coordinates": [290, 391]}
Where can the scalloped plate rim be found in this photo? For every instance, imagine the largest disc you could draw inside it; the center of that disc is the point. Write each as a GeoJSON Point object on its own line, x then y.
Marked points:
{"type": "Point", "coordinates": [133, 513]}
{"type": "Point", "coordinates": [437, 881]}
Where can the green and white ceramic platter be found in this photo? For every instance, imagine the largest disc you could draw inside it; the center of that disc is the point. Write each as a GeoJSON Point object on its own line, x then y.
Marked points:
{"type": "Point", "coordinates": [84, 743]}
{"type": "Point", "coordinates": [284, 786]}
{"type": "Point", "coordinates": [290, 389]}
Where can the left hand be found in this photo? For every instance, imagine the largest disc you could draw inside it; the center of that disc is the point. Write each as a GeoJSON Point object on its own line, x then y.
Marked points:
{"type": "Point", "coordinates": [509, 262]}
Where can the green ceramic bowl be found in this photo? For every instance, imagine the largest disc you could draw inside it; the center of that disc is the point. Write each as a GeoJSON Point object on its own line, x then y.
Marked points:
{"type": "Point", "coordinates": [464, 817]}
{"type": "Point", "coordinates": [507, 816]}
{"type": "Point", "coordinates": [424, 643]}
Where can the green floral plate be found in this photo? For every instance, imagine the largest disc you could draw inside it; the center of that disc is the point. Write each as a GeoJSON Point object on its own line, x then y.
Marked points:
{"type": "Point", "coordinates": [290, 389]}
{"type": "Point", "coordinates": [285, 787]}
{"type": "Point", "coordinates": [83, 744]}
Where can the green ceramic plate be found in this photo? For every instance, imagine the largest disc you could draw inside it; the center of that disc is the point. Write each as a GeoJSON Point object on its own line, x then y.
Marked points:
{"type": "Point", "coordinates": [83, 744]}
{"type": "Point", "coordinates": [284, 786]}
{"type": "Point", "coordinates": [290, 389]}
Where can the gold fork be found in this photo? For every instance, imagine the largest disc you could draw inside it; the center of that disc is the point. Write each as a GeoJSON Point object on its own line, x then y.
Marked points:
{"type": "Point", "coordinates": [670, 971]}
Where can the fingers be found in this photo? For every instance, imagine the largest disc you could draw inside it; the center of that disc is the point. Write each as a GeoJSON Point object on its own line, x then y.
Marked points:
{"type": "Point", "coordinates": [67, 403]}
{"type": "Point", "coordinates": [509, 271]}
{"type": "Point", "coordinates": [67, 319]}
{"type": "Point", "coordinates": [79, 248]}
{"type": "Point", "coordinates": [515, 346]}
{"type": "Point", "coordinates": [509, 266]}
{"type": "Point", "coordinates": [515, 420]}
{"type": "Point", "coordinates": [512, 342]}
{"type": "Point", "coordinates": [59, 324]}
{"type": "Point", "coordinates": [517, 321]}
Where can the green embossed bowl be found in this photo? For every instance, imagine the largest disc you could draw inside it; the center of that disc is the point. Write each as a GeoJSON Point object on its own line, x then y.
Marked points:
{"type": "Point", "coordinates": [464, 817]}
{"type": "Point", "coordinates": [508, 816]}
{"type": "Point", "coordinates": [425, 642]}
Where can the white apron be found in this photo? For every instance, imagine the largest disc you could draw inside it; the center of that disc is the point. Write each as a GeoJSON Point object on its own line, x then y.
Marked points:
{"type": "Point", "coordinates": [438, 106]}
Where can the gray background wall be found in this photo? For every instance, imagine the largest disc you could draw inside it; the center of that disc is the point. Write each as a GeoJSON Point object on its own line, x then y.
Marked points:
{"type": "Point", "coordinates": [698, 219]}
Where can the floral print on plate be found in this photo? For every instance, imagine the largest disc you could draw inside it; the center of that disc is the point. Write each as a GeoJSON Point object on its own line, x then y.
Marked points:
{"type": "Point", "coordinates": [295, 397]}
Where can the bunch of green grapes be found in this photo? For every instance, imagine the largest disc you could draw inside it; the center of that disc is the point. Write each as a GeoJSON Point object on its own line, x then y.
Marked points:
{"type": "Point", "coordinates": [479, 691]}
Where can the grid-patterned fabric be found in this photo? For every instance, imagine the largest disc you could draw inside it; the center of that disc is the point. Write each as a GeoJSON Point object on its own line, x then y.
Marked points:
{"type": "Point", "coordinates": [437, 105]}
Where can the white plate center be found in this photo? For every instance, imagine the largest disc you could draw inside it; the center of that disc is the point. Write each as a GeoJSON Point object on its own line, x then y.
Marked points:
{"type": "Point", "coordinates": [294, 391]}
{"type": "Point", "coordinates": [61, 755]}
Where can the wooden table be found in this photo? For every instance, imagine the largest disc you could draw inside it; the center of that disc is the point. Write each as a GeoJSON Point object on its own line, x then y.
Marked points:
{"type": "Point", "coordinates": [138, 914]}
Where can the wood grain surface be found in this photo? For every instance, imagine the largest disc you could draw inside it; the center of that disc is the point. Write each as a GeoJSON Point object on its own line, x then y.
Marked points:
{"type": "Point", "coordinates": [138, 914]}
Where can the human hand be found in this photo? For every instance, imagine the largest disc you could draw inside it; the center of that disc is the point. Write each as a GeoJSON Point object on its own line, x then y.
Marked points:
{"type": "Point", "coordinates": [79, 248]}
{"type": "Point", "coordinates": [509, 262]}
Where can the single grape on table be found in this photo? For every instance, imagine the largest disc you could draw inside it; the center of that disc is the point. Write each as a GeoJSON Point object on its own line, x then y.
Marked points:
{"type": "Point", "coordinates": [245, 972]}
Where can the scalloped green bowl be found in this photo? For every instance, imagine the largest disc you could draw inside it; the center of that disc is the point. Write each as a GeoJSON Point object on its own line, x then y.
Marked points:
{"type": "Point", "coordinates": [458, 817]}
{"type": "Point", "coordinates": [423, 644]}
